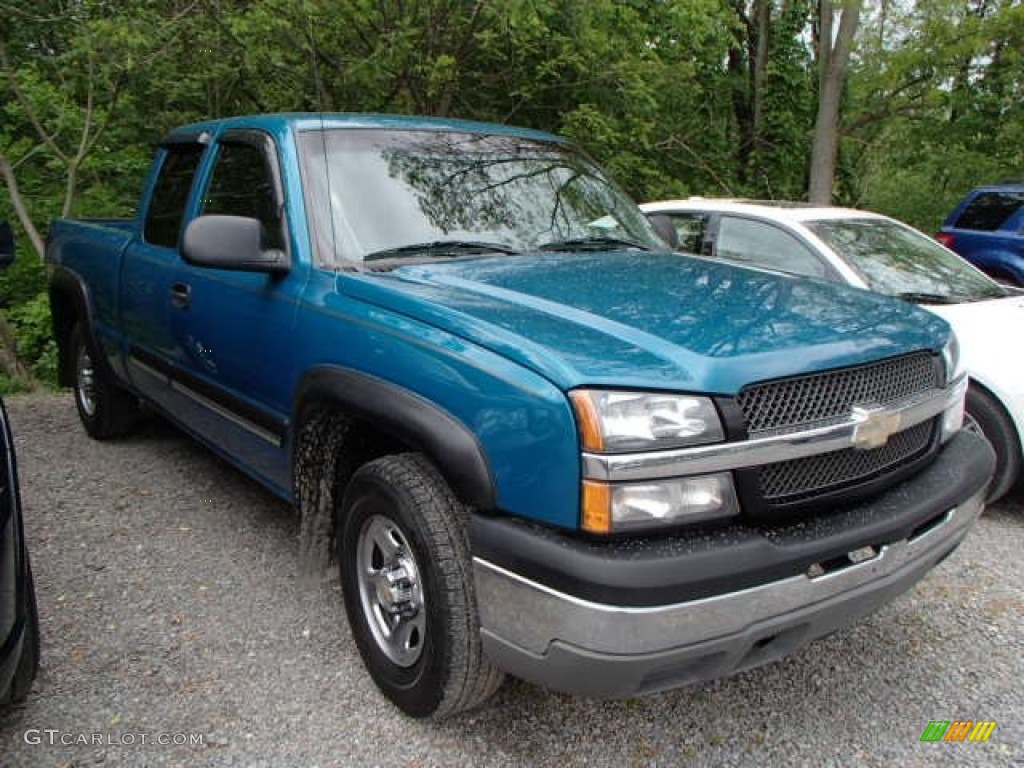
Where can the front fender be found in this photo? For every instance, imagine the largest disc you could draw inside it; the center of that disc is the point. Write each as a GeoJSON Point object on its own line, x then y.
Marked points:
{"type": "Point", "coordinates": [408, 418]}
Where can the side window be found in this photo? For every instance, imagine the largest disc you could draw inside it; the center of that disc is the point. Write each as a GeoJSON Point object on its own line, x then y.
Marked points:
{"type": "Point", "coordinates": [242, 186]}
{"type": "Point", "coordinates": [990, 210]}
{"type": "Point", "coordinates": [170, 195]}
{"type": "Point", "coordinates": [690, 228]}
{"type": "Point", "coordinates": [766, 246]}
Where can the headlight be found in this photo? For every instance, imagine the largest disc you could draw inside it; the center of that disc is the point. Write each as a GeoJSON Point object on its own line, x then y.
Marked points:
{"type": "Point", "coordinates": [630, 507]}
{"type": "Point", "coordinates": [613, 421]}
{"type": "Point", "coordinates": [951, 359]}
{"type": "Point", "coordinates": [953, 416]}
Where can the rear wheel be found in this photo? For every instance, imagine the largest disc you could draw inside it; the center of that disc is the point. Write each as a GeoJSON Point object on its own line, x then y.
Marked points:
{"type": "Point", "coordinates": [408, 587]}
{"type": "Point", "coordinates": [986, 416]}
{"type": "Point", "coordinates": [104, 409]}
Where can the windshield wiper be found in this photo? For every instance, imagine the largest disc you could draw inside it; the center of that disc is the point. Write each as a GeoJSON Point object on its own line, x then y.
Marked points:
{"type": "Point", "coordinates": [926, 298]}
{"type": "Point", "coordinates": [592, 243]}
{"type": "Point", "coordinates": [439, 248]}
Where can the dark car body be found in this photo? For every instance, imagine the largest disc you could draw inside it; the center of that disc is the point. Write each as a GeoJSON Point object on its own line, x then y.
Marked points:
{"type": "Point", "coordinates": [987, 229]}
{"type": "Point", "coordinates": [19, 619]}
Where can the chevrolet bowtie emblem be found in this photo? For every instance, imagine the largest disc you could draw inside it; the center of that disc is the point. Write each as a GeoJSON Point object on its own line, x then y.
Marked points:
{"type": "Point", "coordinates": [874, 426]}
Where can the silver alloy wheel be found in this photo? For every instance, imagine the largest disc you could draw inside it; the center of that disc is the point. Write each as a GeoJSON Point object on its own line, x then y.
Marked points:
{"type": "Point", "coordinates": [85, 381]}
{"type": "Point", "coordinates": [391, 591]}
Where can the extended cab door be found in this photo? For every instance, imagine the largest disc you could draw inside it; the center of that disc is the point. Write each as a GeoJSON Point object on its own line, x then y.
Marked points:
{"type": "Point", "coordinates": [235, 327]}
{"type": "Point", "coordinates": [150, 269]}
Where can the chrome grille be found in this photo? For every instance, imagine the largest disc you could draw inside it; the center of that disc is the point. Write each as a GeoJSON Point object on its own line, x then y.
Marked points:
{"type": "Point", "coordinates": [829, 396]}
{"type": "Point", "coordinates": [799, 479]}
{"type": "Point", "coordinates": [821, 398]}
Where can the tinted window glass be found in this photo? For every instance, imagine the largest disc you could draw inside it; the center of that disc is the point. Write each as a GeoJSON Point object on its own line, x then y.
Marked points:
{"type": "Point", "coordinates": [900, 261]}
{"type": "Point", "coordinates": [990, 210]}
{"type": "Point", "coordinates": [766, 246]}
{"type": "Point", "coordinates": [170, 196]}
{"type": "Point", "coordinates": [241, 186]}
{"type": "Point", "coordinates": [690, 228]}
{"type": "Point", "coordinates": [373, 191]}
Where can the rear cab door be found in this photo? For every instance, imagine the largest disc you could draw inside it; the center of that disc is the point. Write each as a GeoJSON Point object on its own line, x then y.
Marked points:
{"type": "Point", "coordinates": [151, 264]}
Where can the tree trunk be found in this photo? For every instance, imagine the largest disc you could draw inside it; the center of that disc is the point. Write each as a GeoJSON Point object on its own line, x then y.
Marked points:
{"type": "Point", "coordinates": [833, 58]}
{"type": "Point", "coordinates": [762, 22]}
{"type": "Point", "coordinates": [7, 172]}
{"type": "Point", "coordinates": [740, 67]}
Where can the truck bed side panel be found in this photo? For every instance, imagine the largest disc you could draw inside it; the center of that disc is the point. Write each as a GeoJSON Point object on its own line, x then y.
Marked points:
{"type": "Point", "coordinates": [93, 251]}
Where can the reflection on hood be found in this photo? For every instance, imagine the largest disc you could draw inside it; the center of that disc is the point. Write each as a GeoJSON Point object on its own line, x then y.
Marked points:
{"type": "Point", "coordinates": [643, 319]}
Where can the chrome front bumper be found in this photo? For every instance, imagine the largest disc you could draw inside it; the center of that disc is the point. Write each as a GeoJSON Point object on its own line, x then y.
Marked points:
{"type": "Point", "coordinates": [566, 643]}
{"type": "Point", "coordinates": [760, 450]}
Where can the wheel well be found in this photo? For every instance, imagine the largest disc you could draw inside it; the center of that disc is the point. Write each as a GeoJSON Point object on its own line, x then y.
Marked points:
{"type": "Point", "coordinates": [330, 445]}
{"type": "Point", "coordinates": [1004, 437]}
{"type": "Point", "coordinates": [974, 384]}
{"type": "Point", "coordinates": [64, 313]}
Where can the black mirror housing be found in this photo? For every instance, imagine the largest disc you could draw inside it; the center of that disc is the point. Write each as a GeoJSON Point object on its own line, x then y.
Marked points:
{"type": "Point", "coordinates": [6, 244]}
{"type": "Point", "coordinates": [231, 242]}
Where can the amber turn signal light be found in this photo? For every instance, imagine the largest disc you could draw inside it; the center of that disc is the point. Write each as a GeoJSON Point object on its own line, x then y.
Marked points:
{"type": "Point", "coordinates": [589, 422]}
{"type": "Point", "coordinates": [597, 507]}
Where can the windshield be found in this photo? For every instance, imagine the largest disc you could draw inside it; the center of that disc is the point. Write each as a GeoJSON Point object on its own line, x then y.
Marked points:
{"type": "Point", "coordinates": [899, 261]}
{"type": "Point", "coordinates": [374, 193]}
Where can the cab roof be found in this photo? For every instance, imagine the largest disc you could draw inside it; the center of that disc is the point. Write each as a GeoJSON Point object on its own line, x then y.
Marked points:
{"type": "Point", "coordinates": [283, 122]}
{"type": "Point", "coordinates": [775, 210]}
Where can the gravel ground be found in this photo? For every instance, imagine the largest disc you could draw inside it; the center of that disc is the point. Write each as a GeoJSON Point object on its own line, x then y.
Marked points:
{"type": "Point", "coordinates": [172, 602]}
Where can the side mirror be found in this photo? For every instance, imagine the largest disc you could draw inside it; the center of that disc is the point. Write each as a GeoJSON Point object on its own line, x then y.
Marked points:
{"type": "Point", "coordinates": [6, 244]}
{"type": "Point", "coordinates": [231, 242]}
{"type": "Point", "coordinates": [665, 228]}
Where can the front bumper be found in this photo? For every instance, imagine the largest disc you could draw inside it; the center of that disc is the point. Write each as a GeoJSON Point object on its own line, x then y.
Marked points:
{"type": "Point", "coordinates": [755, 596]}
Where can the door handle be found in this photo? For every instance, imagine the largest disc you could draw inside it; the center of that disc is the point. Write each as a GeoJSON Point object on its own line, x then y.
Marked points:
{"type": "Point", "coordinates": [181, 295]}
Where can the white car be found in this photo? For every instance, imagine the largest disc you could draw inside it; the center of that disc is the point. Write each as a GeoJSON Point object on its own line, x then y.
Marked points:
{"type": "Point", "coordinates": [877, 253]}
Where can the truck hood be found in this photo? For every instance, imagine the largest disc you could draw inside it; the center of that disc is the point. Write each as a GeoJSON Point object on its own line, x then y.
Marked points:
{"type": "Point", "coordinates": [659, 320]}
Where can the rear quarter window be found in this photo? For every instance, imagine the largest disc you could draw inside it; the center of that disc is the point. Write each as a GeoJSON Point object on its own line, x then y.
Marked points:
{"type": "Point", "coordinates": [989, 211]}
{"type": "Point", "coordinates": [170, 195]}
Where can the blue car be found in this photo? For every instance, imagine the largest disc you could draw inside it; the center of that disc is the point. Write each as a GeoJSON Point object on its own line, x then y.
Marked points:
{"type": "Point", "coordinates": [987, 229]}
{"type": "Point", "coordinates": [19, 618]}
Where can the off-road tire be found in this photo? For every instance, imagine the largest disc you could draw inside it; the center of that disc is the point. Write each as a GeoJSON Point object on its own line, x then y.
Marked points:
{"type": "Point", "coordinates": [451, 673]}
{"type": "Point", "coordinates": [104, 409]}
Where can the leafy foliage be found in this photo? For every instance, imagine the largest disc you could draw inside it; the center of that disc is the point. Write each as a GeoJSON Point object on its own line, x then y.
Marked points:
{"type": "Point", "coordinates": [675, 97]}
{"type": "Point", "coordinates": [31, 321]}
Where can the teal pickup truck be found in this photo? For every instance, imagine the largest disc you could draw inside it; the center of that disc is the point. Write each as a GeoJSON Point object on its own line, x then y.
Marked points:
{"type": "Point", "coordinates": [534, 441]}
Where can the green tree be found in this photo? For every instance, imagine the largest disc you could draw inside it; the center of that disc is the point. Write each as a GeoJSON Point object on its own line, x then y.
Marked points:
{"type": "Point", "coordinates": [939, 107]}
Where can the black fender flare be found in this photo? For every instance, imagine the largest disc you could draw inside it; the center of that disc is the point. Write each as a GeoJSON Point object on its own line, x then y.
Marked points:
{"type": "Point", "coordinates": [68, 283]}
{"type": "Point", "coordinates": [407, 417]}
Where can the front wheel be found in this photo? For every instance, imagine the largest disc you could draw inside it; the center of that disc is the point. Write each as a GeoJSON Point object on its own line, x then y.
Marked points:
{"type": "Point", "coordinates": [104, 409]}
{"type": "Point", "coordinates": [408, 588]}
